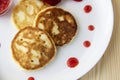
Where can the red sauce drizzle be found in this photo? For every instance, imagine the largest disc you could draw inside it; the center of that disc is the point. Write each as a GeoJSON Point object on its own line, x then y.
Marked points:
{"type": "Point", "coordinates": [3, 5]}
{"type": "Point", "coordinates": [91, 27]}
{"type": "Point", "coordinates": [78, 0]}
{"type": "Point", "coordinates": [31, 78]}
{"type": "Point", "coordinates": [87, 8]}
{"type": "Point", "coordinates": [87, 44]}
{"type": "Point", "coordinates": [72, 62]}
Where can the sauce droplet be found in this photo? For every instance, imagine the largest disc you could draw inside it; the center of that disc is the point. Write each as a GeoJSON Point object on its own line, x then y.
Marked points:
{"type": "Point", "coordinates": [31, 78]}
{"type": "Point", "coordinates": [87, 43]}
{"type": "Point", "coordinates": [78, 0]}
{"type": "Point", "coordinates": [87, 8]}
{"type": "Point", "coordinates": [72, 62]}
{"type": "Point", "coordinates": [91, 27]}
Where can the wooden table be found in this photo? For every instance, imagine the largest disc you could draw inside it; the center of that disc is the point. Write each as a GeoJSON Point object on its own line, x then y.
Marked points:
{"type": "Point", "coordinates": [108, 68]}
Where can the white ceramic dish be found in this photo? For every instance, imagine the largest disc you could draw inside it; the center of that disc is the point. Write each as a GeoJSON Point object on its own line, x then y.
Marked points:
{"type": "Point", "coordinates": [101, 17]}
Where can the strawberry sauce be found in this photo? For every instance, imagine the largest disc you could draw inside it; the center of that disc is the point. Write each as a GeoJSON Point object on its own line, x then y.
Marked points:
{"type": "Point", "coordinates": [91, 27]}
{"type": "Point", "coordinates": [78, 0]}
{"type": "Point", "coordinates": [88, 8]}
{"type": "Point", "coordinates": [86, 44]}
{"type": "Point", "coordinates": [4, 5]}
{"type": "Point", "coordinates": [31, 78]}
{"type": "Point", "coordinates": [52, 2]}
{"type": "Point", "coordinates": [72, 62]}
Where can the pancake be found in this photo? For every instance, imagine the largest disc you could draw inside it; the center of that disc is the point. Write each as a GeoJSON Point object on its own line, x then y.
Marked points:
{"type": "Point", "coordinates": [60, 24]}
{"type": "Point", "coordinates": [25, 11]}
{"type": "Point", "coordinates": [32, 48]}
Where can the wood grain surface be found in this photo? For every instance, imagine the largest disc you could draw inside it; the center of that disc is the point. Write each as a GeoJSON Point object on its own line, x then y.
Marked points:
{"type": "Point", "coordinates": [108, 68]}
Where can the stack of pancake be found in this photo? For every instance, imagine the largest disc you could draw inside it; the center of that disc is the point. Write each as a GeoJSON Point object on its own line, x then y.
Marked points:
{"type": "Point", "coordinates": [41, 28]}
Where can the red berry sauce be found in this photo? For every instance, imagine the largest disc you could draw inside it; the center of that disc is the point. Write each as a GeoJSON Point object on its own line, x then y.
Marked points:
{"type": "Point", "coordinates": [72, 62]}
{"type": "Point", "coordinates": [91, 27]}
{"type": "Point", "coordinates": [86, 44]}
{"type": "Point", "coordinates": [52, 2]}
{"type": "Point", "coordinates": [4, 5]}
{"type": "Point", "coordinates": [78, 0]}
{"type": "Point", "coordinates": [31, 78]}
{"type": "Point", "coordinates": [88, 8]}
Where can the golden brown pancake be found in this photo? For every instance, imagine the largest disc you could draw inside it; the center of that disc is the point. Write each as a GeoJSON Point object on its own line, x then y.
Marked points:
{"type": "Point", "coordinates": [60, 24]}
{"type": "Point", "coordinates": [25, 11]}
{"type": "Point", "coordinates": [33, 48]}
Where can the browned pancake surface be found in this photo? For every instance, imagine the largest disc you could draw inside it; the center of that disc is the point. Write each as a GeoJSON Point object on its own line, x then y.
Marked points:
{"type": "Point", "coordinates": [33, 48]}
{"type": "Point", "coordinates": [25, 11]}
{"type": "Point", "coordinates": [60, 24]}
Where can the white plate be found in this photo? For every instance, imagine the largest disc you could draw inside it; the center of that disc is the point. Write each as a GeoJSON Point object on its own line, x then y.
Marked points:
{"type": "Point", "coordinates": [101, 17]}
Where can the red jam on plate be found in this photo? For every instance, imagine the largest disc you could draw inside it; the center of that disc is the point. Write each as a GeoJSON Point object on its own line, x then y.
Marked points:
{"type": "Point", "coordinates": [31, 78]}
{"type": "Point", "coordinates": [91, 27]}
{"type": "Point", "coordinates": [4, 5]}
{"type": "Point", "coordinates": [52, 2]}
{"type": "Point", "coordinates": [72, 62]}
{"type": "Point", "coordinates": [88, 8]}
{"type": "Point", "coordinates": [78, 0]}
{"type": "Point", "coordinates": [86, 44]}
